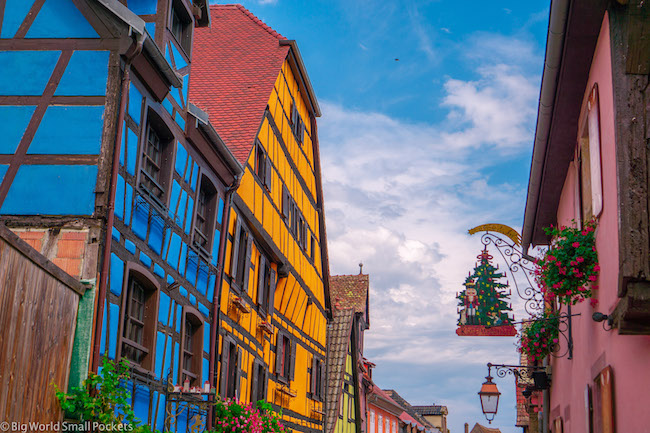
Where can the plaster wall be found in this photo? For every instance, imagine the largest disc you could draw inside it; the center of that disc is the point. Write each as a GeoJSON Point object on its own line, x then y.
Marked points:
{"type": "Point", "coordinates": [594, 347]}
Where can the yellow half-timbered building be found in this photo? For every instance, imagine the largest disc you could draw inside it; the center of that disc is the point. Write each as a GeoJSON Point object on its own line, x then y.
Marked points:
{"type": "Point", "coordinates": [274, 302]}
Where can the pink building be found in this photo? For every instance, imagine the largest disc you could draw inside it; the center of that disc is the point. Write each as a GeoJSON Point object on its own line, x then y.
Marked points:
{"type": "Point", "coordinates": [591, 158]}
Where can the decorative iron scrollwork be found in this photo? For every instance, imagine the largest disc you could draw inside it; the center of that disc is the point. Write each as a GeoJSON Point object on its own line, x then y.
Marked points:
{"type": "Point", "coordinates": [519, 264]}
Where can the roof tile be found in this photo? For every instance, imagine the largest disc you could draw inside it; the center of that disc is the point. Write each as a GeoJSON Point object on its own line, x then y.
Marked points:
{"type": "Point", "coordinates": [235, 63]}
{"type": "Point", "coordinates": [349, 291]}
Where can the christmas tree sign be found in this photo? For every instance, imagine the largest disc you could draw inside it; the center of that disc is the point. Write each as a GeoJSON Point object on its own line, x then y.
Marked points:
{"type": "Point", "coordinates": [483, 304]}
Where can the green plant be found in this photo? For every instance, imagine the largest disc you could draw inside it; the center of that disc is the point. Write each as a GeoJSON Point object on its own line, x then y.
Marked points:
{"type": "Point", "coordinates": [104, 398]}
{"type": "Point", "coordinates": [539, 337]}
{"type": "Point", "coordinates": [571, 264]}
{"type": "Point", "coordinates": [234, 417]}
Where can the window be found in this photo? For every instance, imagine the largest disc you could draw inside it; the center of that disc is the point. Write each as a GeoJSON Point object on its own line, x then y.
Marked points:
{"type": "Point", "coordinates": [181, 26]}
{"type": "Point", "coordinates": [589, 163]}
{"type": "Point", "coordinates": [230, 368]}
{"type": "Point", "coordinates": [285, 357]}
{"type": "Point", "coordinates": [350, 408]}
{"type": "Point", "coordinates": [603, 404]}
{"type": "Point", "coordinates": [317, 378]}
{"type": "Point", "coordinates": [258, 390]}
{"type": "Point", "coordinates": [372, 422]}
{"type": "Point", "coordinates": [265, 285]}
{"type": "Point", "coordinates": [192, 347]}
{"type": "Point", "coordinates": [287, 202]}
{"type": "Point", "coordinates": [381, 424]}
{"type": "Point", "coordinates": [139, 321]}
{"type": "Point", "coordinates": [241, 257]}
{"type": "Point", "coordinates": [387, 425]}
{"type": "Point", "coordinates": [394, 427]}
{"type": "Point", "coordinates": [154, 164]}
{"type": "Point", "coordinates": [205, 210]}
{"type": "Point", "coordinates": [297, 125]}
{"type": "Point", "coordinates": [263, 167]}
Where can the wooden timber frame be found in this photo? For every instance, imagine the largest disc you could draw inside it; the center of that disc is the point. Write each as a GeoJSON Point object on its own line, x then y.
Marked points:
{"type": "Point", "coordinates": [630, 67]}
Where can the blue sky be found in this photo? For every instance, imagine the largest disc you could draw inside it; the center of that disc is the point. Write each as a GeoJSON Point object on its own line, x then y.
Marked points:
{"type": "Point", "coordinates": [427, 129]}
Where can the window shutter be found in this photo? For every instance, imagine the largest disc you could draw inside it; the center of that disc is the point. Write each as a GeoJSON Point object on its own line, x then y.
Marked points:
{"type": "Point", "coordinates": [225, 356]}
{"type": "Point", "coordinates": [235, 249]}
{"type": "Point", "coordinates": [292, 366]}
{"type": "Point", "coordinates": [260, 282]}
{"type": "Point", "coordinates": [271, 305]}
{"type": "Point", "coordinates": [267, 172]}
{"type": "Point", "coordinates": [262, 385]}
{"type": "Point", "coordinates": [301, 131]}
{"type": "Point", "coordinates": [593, 125]}
{"type": "Point", "coordinates": [278, 353]}
{"type": "Point", "coordinates": [247, 264]}
{"type": "Point", "coordinates": [314, 367]}
{"type": "Point", "coordinates": [255, 385]}
{"type": "Point", "coordinates": [238, 373]}
{"type": "Point", "coordinates": [294, 115]}
{"type": "Point", "coordinates": [285, 201]}
{"type": "Point", "coordinates": [321, 393]}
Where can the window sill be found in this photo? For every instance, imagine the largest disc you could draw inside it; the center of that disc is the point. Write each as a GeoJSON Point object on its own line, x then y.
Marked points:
{"type": "Point", "coordinates": [285, 390]}
{"type": "Point", "coordinates": [239, 304]}
{"type": "Point", "coordinates": [266, 327]}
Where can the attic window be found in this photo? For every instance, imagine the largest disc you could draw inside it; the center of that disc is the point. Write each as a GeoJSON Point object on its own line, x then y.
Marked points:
{"type": "Point", "coordinates": [181, 26]}
{"type": "Point", "coordinates": [297, 125]}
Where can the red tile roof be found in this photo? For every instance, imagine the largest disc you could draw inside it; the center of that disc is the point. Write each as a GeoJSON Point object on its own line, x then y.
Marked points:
{"type": "Point", "coordinates": [235, 63]}
{"type": "Point", "coordinates": [478, 428]}
{"type": "Point", "coordinates": [349, 291]}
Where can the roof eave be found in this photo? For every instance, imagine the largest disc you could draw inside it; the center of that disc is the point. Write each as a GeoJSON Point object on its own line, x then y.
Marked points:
{"type": "Point", "coordinates": [566, 71]}
{"type": "Point", "coordinates": [303, 78]}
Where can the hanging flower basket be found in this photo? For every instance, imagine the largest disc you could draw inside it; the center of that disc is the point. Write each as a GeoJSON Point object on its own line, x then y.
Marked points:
{"type": "Point", "coordinates": [570, 266]}
{"type": "Point", "coordinates": [539, 337]}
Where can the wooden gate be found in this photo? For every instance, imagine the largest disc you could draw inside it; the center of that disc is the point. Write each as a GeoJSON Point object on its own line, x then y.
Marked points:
{"type": "Point", "coordinates": [38, 312]}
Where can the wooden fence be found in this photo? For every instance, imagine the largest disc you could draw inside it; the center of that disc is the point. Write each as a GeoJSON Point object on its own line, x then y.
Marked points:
{"type": "Point", "coordinates": [38, 312]}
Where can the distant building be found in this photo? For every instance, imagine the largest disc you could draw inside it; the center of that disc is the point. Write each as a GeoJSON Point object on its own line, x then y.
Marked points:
{"type": "Point", "coordinates": [346, 395]}
{"type": "Point", "coordinates": [435, 414]}
{"type": "Point", "coordinates": [478, 428]}
{"type": "Point", "coordinates": [412, 420]}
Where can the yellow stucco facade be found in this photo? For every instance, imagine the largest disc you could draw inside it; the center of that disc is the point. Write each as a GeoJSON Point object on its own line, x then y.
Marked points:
{"type": "Point", "coordinates": [274, 232]}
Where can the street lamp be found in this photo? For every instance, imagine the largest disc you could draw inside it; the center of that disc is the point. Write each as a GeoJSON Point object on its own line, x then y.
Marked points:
{"type": "Point", "coordinates": [489, 395]}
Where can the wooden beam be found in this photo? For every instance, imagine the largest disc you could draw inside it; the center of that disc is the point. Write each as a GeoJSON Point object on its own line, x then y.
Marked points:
{"type": "Point", "coordinates": [631, 157]}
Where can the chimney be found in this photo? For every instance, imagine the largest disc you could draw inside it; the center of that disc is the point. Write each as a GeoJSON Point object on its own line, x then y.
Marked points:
{"type": "Point", "coordinates": [466, 428]}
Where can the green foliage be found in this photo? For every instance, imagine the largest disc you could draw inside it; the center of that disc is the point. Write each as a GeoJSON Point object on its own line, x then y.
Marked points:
{"type": "Point", "coordinates": [489, 298]}
{"type": "Point", "coordinates": [539, 337]}
{"type": "Point", "coordinates": [234, 417]}
{"type": "Point", "coordinates": [571, 264]}
{"type": "Point", "coordinates": [103, 399]}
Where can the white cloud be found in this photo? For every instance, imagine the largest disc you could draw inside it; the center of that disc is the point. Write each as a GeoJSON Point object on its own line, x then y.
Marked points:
{"type": "Point", "coordinates": [400, 197]}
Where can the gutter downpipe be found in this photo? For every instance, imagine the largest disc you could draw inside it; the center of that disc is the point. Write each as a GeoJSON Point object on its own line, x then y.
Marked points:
{"type": "Point", "coordinates": [216, 306]}
{"type": "Point", "coordinates": [134, 50]}
{"type": "Point", "coordinates": [552, 63]}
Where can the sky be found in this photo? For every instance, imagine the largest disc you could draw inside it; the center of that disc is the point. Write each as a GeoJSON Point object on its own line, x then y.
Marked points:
{"type": "Point", "coordinates": [428, 118]}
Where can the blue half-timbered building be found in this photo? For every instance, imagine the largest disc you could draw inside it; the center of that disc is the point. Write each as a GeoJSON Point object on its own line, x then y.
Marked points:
{"type": "Point", "coordinates": [108, 171]}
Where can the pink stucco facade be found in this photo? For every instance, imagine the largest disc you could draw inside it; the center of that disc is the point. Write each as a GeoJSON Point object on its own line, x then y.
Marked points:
{"type": "Point", "coordinates": [594, 347]}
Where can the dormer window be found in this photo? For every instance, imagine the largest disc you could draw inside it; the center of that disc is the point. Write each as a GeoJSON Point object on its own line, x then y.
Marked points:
{"type": "Point", "coordinates": [181, 26]}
